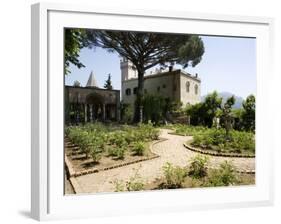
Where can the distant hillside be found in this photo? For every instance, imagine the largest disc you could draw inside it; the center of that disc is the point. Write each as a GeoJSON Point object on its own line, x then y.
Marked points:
{"type": "Point", "coordinates": [238, 99]}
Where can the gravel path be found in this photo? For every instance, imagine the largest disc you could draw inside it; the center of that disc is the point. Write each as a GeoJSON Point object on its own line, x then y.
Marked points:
{"type": "Point", "coordinates": [170, 150]}
{"type": "Point", "coordinates": [68, 187]}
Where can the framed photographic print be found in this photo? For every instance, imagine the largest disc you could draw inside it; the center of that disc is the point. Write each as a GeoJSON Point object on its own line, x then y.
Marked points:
{"type": "Point", "coordinates": [148, 111]}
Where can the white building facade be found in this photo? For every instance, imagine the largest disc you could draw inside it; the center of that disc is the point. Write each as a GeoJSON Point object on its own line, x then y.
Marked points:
{"type": "Point", "coordinates": [177, 85]}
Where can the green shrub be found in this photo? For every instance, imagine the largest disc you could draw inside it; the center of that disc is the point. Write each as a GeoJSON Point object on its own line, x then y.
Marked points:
{"type": "Point", "coordinates": [95, 154]}
{"type": "Point", "coordinates": [216, 139]}
{"type": "Point", "coordinates": [126, 113]}
{"type": "Point", "coordinates": [224, 176]}
{"type": "Point", "coordinates": [146, 132]}
{"type": "Point", "coordinates": [187, 130]}
{"type": "Point", "coordinates": [138, 148]}
{"type": "Point", "coordinates": [95, 127]}
{"type": "Point", "coordinates": [198, 167]}
{"type": "Point", "coordinates": [130, 137]}
{"type": "Point", "coordinates": [116, 139]}
{"type": "Point", "coordinates": [154, 108]}
{"type": "Point", "coordinates": [134, 184]}
{"type": "Point", "coordinates": [67, 131]}
{"type": "Point", "coordinates": [174, 176]}
{"type": "Point", "coordinates": [116, 152]}
{"type": "Point", "coordinates": [118, 186]}
{"type": "Point", "coordinates": [84, 142]}
{"type": "Point", "coordinates": [152, 133]}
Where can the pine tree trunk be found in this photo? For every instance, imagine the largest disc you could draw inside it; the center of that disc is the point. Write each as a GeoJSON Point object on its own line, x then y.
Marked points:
{"type": "Point", "coordinates": [139, 99]}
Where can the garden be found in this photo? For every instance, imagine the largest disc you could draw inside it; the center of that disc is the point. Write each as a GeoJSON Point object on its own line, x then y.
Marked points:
{"type": "Point", "coordinates": [196, 174]}
{"type": "Point", "coordinates": [216, 139]}
{"type": "Point", "coordinates": [159, 148]}
{"type": "Point", "coordinates": [98, 147]}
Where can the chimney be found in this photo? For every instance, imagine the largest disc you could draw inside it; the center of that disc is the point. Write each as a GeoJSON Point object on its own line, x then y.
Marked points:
{"type": "Point", "coordinates": [170, 68]}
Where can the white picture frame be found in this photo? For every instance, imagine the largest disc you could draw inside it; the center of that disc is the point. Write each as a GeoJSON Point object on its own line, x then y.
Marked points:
{"type": "Point", "coordinates": [47, 172]}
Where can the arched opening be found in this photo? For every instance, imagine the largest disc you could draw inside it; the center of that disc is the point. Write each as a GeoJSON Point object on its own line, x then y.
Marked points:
{"type": "Point", "coordinates": [128, 91]}
{"type": "Point", "coordinates": [196, 89]}
{"type": "Point", "coordinates": [95, 109]}
{"type": "Point", "coordinates": [187, 86]}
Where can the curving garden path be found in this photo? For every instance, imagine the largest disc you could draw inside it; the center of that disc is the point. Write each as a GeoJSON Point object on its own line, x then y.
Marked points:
{"type": "Point", "coordinates": [170, 150]}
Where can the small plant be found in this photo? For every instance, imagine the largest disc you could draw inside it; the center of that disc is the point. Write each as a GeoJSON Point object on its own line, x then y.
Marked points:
{"type": "Point", "coordinates": [152, 133]}
{"type": "Point", "coordinates": [147, 132]}
{"type": "Point", "coordinates": [129, 137]}
{"type": "Point", "coordinates": [174, 176]}
{"type": "Point", "coordinates": [216, 139]}
{"type": "Point", "coordinates": [118, 138]}
{"type": "Point", "coordinates": [118, 185]}
{"type": "Point", "coordinates": [84, 142]}
{"type": "Point", "coordinates": [138, 148]}
{"type": "Point", "coordinates": [133, 184]}
{"type": "Point", "coordinates": [187, 130]}
{"type": "Point", "coordinates": [224, 176]}
{"type": "Point", "coordinates": [95, 154]}
{"type": "Point", "coordinates": [120, 152]}
{"type": "Point", "coordinates": [198, 167]}
{"type": "Point", "coordinates": [116, 152]}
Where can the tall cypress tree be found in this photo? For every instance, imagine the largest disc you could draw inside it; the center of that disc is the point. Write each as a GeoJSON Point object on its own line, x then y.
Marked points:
{"type": "Point", "coordinates": [108, 84]}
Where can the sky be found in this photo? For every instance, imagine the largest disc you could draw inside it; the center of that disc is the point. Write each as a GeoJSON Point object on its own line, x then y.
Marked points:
{"type": "Point", "coordinates": [228, 65]}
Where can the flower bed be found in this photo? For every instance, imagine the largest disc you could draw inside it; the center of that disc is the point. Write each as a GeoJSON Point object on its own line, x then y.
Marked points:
{"type": "Point", "coordinates": [197, 174]}
{"type": "Point", "coordinates": [96, 147]}
{"type": "Point", "coordinates": [186, 130]}
{"type": "Point", "coordinates": [214, 140]}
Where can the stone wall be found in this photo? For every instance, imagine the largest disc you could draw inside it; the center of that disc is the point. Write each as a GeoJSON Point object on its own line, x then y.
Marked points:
{"type": "Point", "coordinates": [91, 103]}
{"type": "Point", "coordinates": [167, 84]}
{"type": "Point", "coordinates": [81, 93]}
{"type": "Point", "coordinates": [189, 96]}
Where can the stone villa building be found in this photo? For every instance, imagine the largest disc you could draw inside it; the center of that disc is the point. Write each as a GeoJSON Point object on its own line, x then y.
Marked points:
{"type": "Point", "coordinates": [177, 84]}
{"type": "Point", "coordinates": [89, 103]}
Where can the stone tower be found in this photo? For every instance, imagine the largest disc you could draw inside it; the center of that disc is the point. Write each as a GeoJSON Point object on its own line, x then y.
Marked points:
{"type": "Point", "coordinates": [92, 82]}
{"type": "Point", "coordinates": [127, 70]}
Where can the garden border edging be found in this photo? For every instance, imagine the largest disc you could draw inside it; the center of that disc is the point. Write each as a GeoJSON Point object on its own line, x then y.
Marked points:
{"type": "Point", "coordinates": [217, 153]}
{"type": "Point", "coordinates": [222, 155]}
{"type": "Point", "coordinates": [72, 173]}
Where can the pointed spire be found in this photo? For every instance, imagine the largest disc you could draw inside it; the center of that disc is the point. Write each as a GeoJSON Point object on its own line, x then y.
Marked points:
{"type": "Point", "coordinates": [92, 81]}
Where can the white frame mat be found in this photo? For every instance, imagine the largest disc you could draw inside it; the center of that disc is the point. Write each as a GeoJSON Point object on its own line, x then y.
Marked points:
{"type": "Point", "coordinates": [48, 200]}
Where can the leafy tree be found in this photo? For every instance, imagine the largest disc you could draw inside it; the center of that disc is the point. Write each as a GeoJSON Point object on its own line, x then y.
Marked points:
{"type": "Point", "coordinates": [108, 84]}
{"type": "Point", "coordinates": [126, 113]}
{"type": "Point", "coordinates": [248, 115]}
{"type": "Point", "coordinates": [196, 113]}
{"type": "Point", "coordinates": [204, 113]}
{"type": "Point", "coordinates": [146, 50]}
{"type": "Point", "coordinates": [154, 107]}
{"type": "Point", "coordinates": [211, 105]}
{"type": "Point", "coordinates": [75, 40]}
{"type": "Point", "coordinates": [237, 116]}
{"type": "Point", "coordinates": [226, 114]}
{"type": "Point", "coordinates": [76, 83]}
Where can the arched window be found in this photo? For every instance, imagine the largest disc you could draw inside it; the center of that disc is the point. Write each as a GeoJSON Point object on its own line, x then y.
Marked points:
{"type": "Point", "coordinates": [128, 92]}
{"type": "Point", "coordinates": [196, 89]}
{"type": "Point", "coordinates": [158, 89]}
{"type": "Point", "coordinates": [187, 86]}
{"type": "Point", "coordinates": [135, 90]}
